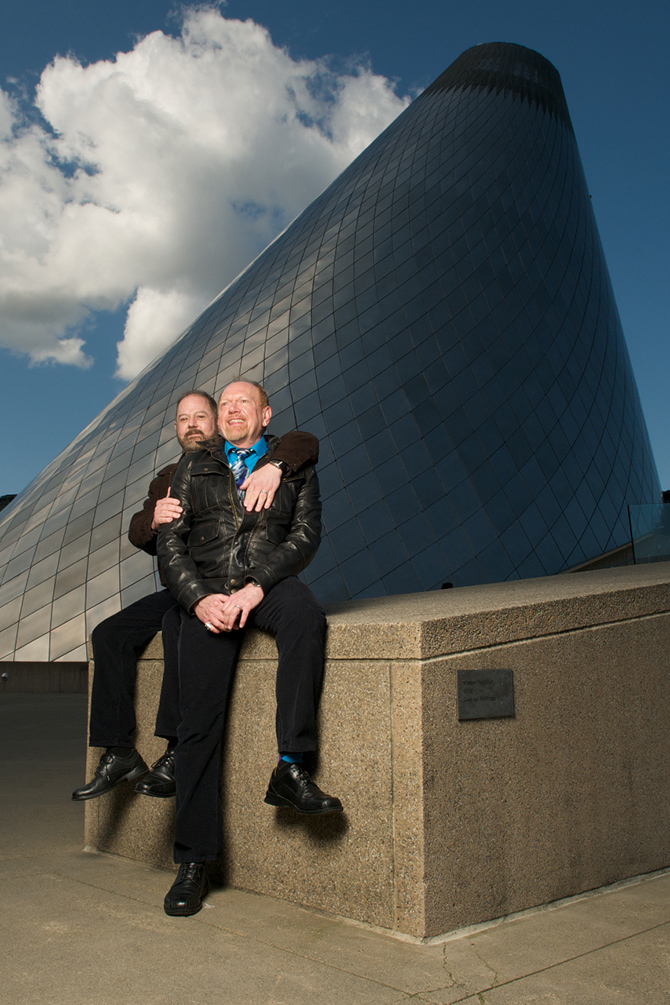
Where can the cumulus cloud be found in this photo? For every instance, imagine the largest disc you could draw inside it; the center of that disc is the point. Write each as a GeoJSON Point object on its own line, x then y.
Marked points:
{"type": "Point", "coordinates": [153, 179]}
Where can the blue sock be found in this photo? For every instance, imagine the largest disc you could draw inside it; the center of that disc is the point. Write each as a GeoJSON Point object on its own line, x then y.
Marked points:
{"type": "Point", "coordinates": [291, 758]}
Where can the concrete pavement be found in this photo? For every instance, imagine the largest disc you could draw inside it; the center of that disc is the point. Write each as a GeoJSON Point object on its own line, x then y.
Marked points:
{"type": "Point", "coordinates": [88, 929]}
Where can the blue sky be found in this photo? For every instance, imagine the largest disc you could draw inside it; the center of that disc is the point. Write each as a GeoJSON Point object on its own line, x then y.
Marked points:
{"type": "Point", "coordinates": [612, 57]}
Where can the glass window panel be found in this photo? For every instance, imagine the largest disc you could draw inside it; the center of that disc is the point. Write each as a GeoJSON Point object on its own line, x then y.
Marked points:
{"type": "Point", "coordinates": [12, 587]}
{"type": "Point", "coordinates": [430, 568]}
{"type": "Point", "coordinates": [71, 577]}
{"type": "Point", "coordinates": [79, 527]}
{"type": "Point", "coordinates": [41, 571]}
{"type": "Point", "coordinates": [347, 539]}
{"type": "Point", "coordinates": [64, 606]}
{"type": "Point", "coordinates": [110, 507]}
{"type": "Point", "coordinates": [135, 591]}
{"type": "Point", "coordinates": [33, 626]}
{"type": "Point", "coordinates": [103, 558]}
{"type": "Point", "coordinates": [108, 531]}
{"type": "Point", "coordinates": [359, 572]}
{"type": "Point", "coordinates": [66, 637]}
{"type": "Point", "coordinates": [8, 641]}
{"type": "Point", "coordinates": [375, 521]}
{"type": "Point", "coordinates": [37, 519]}
{"type": "Point", "coordinates": [36, 650]}
{"type": "Point", "coordinates": [105, 609]}
{"type": "Point", "coordinates": [389, 552]}
{"type": "Point", "coordinates": [73, 551]}
{"type": "Point", "coordinates": [102, 587]}
{"type": "Point", "coordinates": [26, 544]}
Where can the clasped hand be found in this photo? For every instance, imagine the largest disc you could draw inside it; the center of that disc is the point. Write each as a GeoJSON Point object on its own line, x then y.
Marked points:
{"type": "Point", "coordinates": [222, 613]}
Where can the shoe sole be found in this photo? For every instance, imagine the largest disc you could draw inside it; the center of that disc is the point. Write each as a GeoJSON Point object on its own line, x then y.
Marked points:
{"type": "Point", "coordinates": [130, 777]}
{"type": "Point", "coordinates": [272, 799]}
{"type": "Point", "coordinates": [181, 914]}
{"type": "Point", "coordinates": [154, 795]}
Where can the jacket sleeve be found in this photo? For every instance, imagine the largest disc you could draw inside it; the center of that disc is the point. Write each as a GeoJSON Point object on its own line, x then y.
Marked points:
{"type": "Point", "coordinates": [140, 533]}
{"type": "Point", "coordinates": [177, 567]}
{"type": "Point", "coordinates": [294, 553]}
{"type": "Point", "coordinates": [297, 448]}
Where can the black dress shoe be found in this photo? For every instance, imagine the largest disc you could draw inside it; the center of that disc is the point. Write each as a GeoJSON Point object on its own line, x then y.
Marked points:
{"type": "Point", "coordinates": [290, 785]}
{"type": "Point", "coordinates": [186, 894]}
{"type": "Point", "coordinates": [160, 782]}
{"type": "Point", "coordinates": [111, 770]}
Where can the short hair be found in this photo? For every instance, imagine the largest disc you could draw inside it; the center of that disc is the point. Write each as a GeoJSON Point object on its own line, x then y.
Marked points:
{"type": "Point", "coordinates": [254, 383]}
{"type": "Point", "coordinates": [199, 394]}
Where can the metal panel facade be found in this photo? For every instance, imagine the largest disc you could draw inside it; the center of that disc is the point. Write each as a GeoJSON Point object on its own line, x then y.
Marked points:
{"type": "Point", "coordinates": [442, 318]}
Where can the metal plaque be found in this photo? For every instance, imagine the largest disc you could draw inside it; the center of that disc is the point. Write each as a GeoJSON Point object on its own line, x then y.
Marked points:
{"type": "Point", "coordinates": [485, 694]}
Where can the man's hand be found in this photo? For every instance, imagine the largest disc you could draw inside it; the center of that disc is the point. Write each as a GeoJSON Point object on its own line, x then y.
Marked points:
{"type": "Point", "coordinates": [260, 487]}
{"type": "Point", "coordinates": [165, 511]}
{"type": "Point", "coordinates": [222, 613]}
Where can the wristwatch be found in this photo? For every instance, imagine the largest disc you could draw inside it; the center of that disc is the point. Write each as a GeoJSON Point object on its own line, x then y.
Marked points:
{"type": "Point", "coordinates": [282, 465]}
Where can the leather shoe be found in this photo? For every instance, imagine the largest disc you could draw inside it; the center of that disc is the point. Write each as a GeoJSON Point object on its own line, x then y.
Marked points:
{"type": "Point", "coordinates": [111, 770]}
{"type": "Point", "coordinates": [290, 785]}
{"type": "Point", "coordinates": [160, 782]}
{"type": "Point", "coordinates": [186, 894]}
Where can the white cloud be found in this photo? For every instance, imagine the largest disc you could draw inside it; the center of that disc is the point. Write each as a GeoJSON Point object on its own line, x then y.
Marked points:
{"type": "Point", "coordinates": [152, 321]}
{"type": "Point", "coordinates": [154, 179]}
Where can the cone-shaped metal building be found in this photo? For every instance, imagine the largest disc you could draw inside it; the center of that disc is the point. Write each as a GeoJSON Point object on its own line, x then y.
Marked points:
{"type": "Point", "coordinates": [442, 318]}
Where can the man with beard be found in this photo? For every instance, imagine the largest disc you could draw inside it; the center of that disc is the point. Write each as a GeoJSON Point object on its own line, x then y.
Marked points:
{"type": "Point", "coordinates": [117, 640]}
{"type": "Point", "coordinates": [230, 567]}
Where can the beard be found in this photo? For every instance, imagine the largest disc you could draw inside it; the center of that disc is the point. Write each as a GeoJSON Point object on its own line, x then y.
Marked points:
{"type": "Point", "coordinates": [192, 441]}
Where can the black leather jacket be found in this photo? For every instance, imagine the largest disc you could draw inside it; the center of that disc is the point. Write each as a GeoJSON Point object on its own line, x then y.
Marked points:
{"type": "Point", "coordinates": [216, 546]}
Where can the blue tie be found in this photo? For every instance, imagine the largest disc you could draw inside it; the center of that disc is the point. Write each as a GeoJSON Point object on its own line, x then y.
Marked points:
{"type": "Point", "coordinates": [239, 468]}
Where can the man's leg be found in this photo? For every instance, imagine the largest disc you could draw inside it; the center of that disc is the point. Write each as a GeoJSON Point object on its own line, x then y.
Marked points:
{"type": "Point", "coordinates": [291, 612]}
{"type": "Point", "coordinates": [160, 780]}
{"type": "Point", "coordinates": [167, 719]}
{"type": "Point", "coordinates": [206, 668]}
{"type": "Point", "coordinates": [116, 642]}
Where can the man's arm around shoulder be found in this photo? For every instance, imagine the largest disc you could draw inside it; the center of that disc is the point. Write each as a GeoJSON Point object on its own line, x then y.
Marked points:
{"type": "Point", "coordinates": [140, 533]}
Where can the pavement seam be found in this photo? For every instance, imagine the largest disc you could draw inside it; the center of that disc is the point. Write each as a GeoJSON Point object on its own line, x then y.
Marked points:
{"type": "Point", "coordinates": [554, 905]}
{"type": "Point", "coordinates": [202, 919]}
{"type": "Point", "coordinates": [477, 995]}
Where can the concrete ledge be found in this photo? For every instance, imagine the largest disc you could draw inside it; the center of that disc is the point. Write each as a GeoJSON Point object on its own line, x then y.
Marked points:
{"type": "Point", "coordinates": [448, 823]}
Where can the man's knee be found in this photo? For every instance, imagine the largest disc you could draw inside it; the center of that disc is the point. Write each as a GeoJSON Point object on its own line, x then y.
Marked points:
{"type": "Point", "coordinates": [106, 631]}
{"type": "Point", "coordinates": [301, 609]}
{"type": "Point", "coordinates": [171, 623]}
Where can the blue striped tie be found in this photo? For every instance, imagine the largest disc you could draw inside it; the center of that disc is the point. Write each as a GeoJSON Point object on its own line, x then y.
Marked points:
{"type": "Point", "coordinates": [239, 468]}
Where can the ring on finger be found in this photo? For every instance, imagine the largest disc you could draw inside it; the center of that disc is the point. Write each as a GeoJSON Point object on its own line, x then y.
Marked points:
{"type": "Point", "coordinates": [209, 626]}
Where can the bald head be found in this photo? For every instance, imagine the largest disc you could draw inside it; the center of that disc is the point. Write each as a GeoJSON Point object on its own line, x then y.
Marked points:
{"type": "Point", "coordinates": [244, 413]}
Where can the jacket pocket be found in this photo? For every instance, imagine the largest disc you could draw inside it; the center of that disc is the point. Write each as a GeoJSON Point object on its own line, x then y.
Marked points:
{"type": "Point", "coordinates": [203, 534]}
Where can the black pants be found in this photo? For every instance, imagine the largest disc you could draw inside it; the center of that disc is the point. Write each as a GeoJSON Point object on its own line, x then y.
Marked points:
{"type": "Point", "coordinates": [116, 642]}
{"type": "Point", "coordinates": [206, 669]}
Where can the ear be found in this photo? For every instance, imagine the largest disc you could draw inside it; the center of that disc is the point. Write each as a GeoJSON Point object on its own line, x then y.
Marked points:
{"type": "Point", "coordinates": [267, 415]}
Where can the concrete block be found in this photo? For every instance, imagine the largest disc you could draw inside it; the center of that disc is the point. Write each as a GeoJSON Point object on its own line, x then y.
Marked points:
{"type": "Point", "coordinates": [447, 823]}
